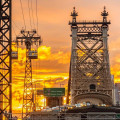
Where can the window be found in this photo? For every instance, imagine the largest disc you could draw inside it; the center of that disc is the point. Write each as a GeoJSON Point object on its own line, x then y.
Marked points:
{"type": "Point", "coordinates": [92, 87]}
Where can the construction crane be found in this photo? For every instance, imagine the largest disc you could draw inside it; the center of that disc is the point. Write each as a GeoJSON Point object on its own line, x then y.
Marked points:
{"type": "Point", "coordinates": [30, 38]}
{"type": "Point", "coordinates": [5, 59]}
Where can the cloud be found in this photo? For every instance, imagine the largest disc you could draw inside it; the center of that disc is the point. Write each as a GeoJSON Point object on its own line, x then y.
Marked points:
{"type": "Point", "coordinates": [51, 67]}
{"type": "Point", "coordinates": [53, 61]}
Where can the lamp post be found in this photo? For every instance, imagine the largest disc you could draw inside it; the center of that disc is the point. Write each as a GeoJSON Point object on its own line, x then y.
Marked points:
{"type": "Point", "coordinates": [60, 98]}
{"type": "Point", "coordinates": [34, 95]}
{"type": "Point", "coordinates": [44, 94]}
{"type": "Point", "coordinates": [44, 91]}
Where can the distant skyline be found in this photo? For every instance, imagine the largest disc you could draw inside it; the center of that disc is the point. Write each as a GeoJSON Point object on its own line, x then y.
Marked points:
{"type": "Point", "coordinates": [55, 51]}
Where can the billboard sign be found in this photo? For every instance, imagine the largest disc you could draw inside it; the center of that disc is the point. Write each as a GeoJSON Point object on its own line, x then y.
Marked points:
{"type": "Point", "coordinates": [54, 92]}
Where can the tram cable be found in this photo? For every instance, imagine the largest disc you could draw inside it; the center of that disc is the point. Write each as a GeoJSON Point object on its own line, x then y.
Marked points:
{"type": "Point", "coordinates": [29, 13]}
{"type": "Point", "coordinates": [32, 14]}
{"type": "Point", "coordinates": [37, 14]}
{"type": "Point", "coordinates": [23, 14]}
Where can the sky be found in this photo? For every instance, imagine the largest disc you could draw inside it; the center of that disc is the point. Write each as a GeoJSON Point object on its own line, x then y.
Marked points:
{"type": "Point", "coordinates": [52, 65]}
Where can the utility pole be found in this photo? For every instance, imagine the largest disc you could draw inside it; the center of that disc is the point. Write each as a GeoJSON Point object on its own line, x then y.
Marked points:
{"type": "Point", "coordinates": [29, 38]}
{"type": "Point", "coordinates": [5, 59]}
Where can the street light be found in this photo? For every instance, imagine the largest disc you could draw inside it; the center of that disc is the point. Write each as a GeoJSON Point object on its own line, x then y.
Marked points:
{"type": "Point", "coordinates": [60, 98]}
{"type": "Point", "coordinates": [34, 95]}
{"type": "Point", "coordinates": [44, 93]}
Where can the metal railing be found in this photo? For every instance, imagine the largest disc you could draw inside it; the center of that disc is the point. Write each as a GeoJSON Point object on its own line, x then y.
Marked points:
{"type": "Point", "coordinates": [65, 116]}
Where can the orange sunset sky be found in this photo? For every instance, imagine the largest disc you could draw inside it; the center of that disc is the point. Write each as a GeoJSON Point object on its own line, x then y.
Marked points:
{"type": "Point", "coordinates": [52, 65]}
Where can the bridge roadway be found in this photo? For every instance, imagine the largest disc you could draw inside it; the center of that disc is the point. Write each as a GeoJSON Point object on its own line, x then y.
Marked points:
{"type": "Point", "coordinates": [80, 113]}
{"type": "Point", "coordinates": [75, 116]}
{"type": "Point", "coordinates": [91, 112]}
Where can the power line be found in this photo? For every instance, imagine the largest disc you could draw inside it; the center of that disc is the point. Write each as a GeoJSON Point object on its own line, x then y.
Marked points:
{"type": "Point", "coordinates": [29, 14]}
{"type": "Point", "coordinates": [32, 14]}
{"type": "Point", "coordinates": [23, 14]}
{"type": "Point", "coordinates": [15, 25]}
{"type": "Point", "coordinates": [14, 31]}
{"type": "Point", "coordinates": [37, 15]}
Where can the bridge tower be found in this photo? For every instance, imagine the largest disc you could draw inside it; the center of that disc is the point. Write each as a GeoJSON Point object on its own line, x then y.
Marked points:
{"type": "Point", "coordinates": [90, 69]}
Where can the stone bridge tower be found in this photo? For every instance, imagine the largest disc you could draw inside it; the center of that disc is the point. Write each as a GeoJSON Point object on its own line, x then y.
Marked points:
{"type": "Point", "coordinates": [90, 69]}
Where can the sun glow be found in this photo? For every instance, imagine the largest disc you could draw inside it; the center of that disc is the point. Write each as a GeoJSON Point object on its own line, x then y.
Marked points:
{"type": "Point", "coordinates": [43, 74]}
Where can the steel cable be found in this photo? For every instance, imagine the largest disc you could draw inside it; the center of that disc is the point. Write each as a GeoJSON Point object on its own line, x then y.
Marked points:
{"type": "Point", "coordinates": [37, 14]}
{"type": "Point", "coordinates": [23, 14]}
{"type": "Point", "coordinates": [32, 14]}
{"type": "Point", "coordinates": [29, 14]}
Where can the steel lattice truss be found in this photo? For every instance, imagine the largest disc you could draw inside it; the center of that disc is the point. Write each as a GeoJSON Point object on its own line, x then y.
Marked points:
{"type": "Point", "coordinates": [90, 59]}
{"type": "Point", "coordinates": [28, 87]}
{"type": "Point", "coordinates": [5, 58]}
{"type": "Point", "coordinates": [29, 38]}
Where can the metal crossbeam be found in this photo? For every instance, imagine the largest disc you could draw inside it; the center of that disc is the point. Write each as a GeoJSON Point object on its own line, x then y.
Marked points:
{"type": "Point", "coordinates": [90, 22]}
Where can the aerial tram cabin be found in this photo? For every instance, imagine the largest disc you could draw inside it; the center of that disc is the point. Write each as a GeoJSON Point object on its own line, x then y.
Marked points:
{"type": "Point", "coordinates": [14, 54]}
{"type": "Point", "coordinates": [33, 54]}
